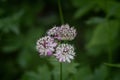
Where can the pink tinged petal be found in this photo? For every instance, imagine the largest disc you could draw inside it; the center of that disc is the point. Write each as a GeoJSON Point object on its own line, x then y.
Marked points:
{"type": "Point", "coordinates": [60, 60]}
{"type": "Point", "coordinates": [59, 38]}
{"type": "Point", "coordinates": [41, 50]}
{"type": "Point", "coordinates": [64, 59]}
{"type": "Point", "coordinates": [57, 57]}
{"type": "Point", "coordinates": [58, 52]}
{"type": "Point", "coordinates": [49, 53]}
{"type": "Point", "coordinates": [54, 44]}
{"type": "Point", "coordinates": [51, 49]}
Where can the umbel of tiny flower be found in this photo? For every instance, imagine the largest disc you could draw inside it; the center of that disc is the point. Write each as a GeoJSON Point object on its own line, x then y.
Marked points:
{"type": "Point", "coordinates": [63, 33]}
{"type": "Point", "coordinates": [45, 45]}
{"type": "Point", "coordinates": [64, 53]}
{"type": "Point", "coordinates": [51, 45]}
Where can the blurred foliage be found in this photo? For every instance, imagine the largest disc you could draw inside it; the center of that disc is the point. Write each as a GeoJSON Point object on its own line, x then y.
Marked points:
{"type": "Point", "coordinates": [23, 22]}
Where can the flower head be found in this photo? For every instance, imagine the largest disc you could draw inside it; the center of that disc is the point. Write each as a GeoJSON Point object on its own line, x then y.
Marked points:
{"type": "Point", "coordinates": [67, 33]}
{"type": "Point", "coordinates": [62, 33]}
{"type": "Point", "coordinates": [45, 45]}
{"type": "Point", "coordinates": [54, 32]}
{"type": "Point", "coordinates": [64, 53]}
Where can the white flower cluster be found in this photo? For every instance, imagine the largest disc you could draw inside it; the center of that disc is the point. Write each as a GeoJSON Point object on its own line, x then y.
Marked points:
{"type": "Point", "coordinates": [48, 45]}
{"type": "Point", "coordinates": [62, 33]}
{"type": "Point", "coordinates": [65, 52]}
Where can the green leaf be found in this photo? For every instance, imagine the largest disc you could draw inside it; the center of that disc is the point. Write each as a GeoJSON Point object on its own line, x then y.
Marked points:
{"type": "Point", "coordinates": [28, 48]}
{"type": "Point", "coordinates": [95, 20]}
{"type": "Point", "coordinates": [103, 36]}
{"type": "Point", "coordinates": [11, 23]}
{"type": "Point", "coordinates": [114, 11]}
{"type": "Point", "coordinates": [112, 65]}
{"type": "Point", "coordinates": [42, 73]}
{"type": "Point", "coordinates": [24, 42]}
{"type": "Point", "coordinates": [84, 73]}
{"type": "Point", "coordinates": [83, 10]}
{"type": "Point", "coordinates": [12, 43]}
{"type": "Point", "coordinates": [31, 37]}
{"type": "Point", "coordinates": [116, 75]}
{"type": "Point", "coordinates": [24, 59]}
{"type": "Point", "coordinates": [10, 48]}
{"type": "Point", "coordinates": [105, 5]}
{"type": "Point", "coordinates": [101, 73]}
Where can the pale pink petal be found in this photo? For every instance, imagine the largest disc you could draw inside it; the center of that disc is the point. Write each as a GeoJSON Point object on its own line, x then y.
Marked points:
{"type": "Point", "coordinates": [49, 53]}
{"type": "Point", "coordinates": [54, 44]}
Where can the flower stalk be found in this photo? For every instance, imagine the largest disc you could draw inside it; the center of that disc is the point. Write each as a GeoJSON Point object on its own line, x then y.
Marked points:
{"type": "Point", "coordinates": [60, 12]}
{"type": "Point", "coordinates": [61, 71]}
{"type": "Point", "coordinates": [62, 21]}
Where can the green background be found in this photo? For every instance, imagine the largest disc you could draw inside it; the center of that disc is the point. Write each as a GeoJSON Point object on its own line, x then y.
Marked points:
{"type": "Point", "coordinates": [97, 44]}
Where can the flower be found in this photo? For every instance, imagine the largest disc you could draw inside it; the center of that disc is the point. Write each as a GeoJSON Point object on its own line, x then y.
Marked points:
{"type": "Point", "coordinates": [62, 33]}
{"type": "Point", "coordinates": [67, 33]}
{"type": "Point", "coordinates": [45, 45]}
{"type": "Point", "coordinates": [54, 32]}
{"type": "Point", "coordinates": [64, 53]}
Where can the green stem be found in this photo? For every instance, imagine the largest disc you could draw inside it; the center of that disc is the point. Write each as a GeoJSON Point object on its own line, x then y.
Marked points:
{"type": "Point", "coordinates": [61, 71]}
{"type": "Point", "coordinates": [60, 12]}
{"type": "Point", "coordinates": [62, 22]}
